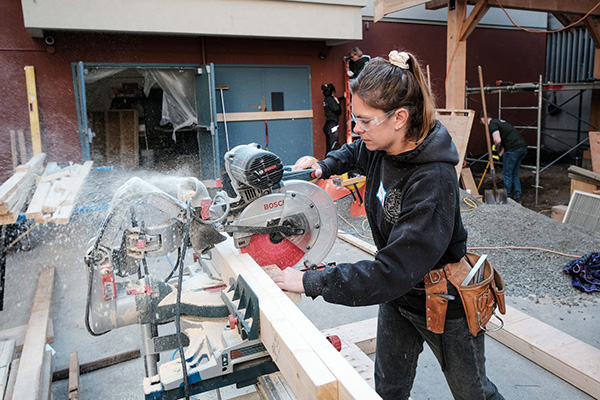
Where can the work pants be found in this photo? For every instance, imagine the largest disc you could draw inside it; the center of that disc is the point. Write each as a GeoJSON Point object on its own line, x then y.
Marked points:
{"type": "Point", "coordinates": [400, 337]}
{"type": "Point", "coordinates": [331, 130]}
{"type": "Point", "coordinates": [511, 163]}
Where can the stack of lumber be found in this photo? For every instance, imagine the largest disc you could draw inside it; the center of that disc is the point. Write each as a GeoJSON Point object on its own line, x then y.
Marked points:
{"type": "Point", "coordinates": [584, 180]}
{"type": "Point", "coordinates": [57, 192]}
{"type": "Point", "coordinates": [16, 190]}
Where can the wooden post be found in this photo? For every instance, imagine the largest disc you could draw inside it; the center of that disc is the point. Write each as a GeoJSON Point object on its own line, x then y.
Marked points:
{"type": "Point", "coordinates": [456, 55]}
{"type": "Point", "coordinates": [22, 147]}
{"type": "Point", "coordinates": [34, 117]}
{"type": "Point", "coordinates": [13, 149]}
{"type": "Point", "coordinates": [73, 376]}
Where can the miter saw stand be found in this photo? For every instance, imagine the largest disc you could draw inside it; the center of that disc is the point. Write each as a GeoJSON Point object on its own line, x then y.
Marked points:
{"type": "Point", "coordinates": [217, 321]}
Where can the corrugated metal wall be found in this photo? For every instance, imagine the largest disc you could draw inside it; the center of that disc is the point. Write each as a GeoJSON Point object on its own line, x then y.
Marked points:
{"type": "Point", "coordinates": [569, 56]}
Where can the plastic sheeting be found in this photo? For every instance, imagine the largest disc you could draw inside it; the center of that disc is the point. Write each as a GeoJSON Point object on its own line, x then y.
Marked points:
{"type": "Point", "coordinates": [179, 94]}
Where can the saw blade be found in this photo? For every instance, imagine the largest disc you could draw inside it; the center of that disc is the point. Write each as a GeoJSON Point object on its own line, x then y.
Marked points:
{"type": "Point", "coordinates": [301, 205]}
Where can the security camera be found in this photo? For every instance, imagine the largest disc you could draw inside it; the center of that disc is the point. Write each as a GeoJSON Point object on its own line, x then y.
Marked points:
{"type": "Point", "coordinates": [49, 40]}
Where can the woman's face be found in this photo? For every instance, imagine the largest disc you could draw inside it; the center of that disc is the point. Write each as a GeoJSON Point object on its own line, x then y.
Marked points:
{"type": "Point", "coordinates": [380, 130]}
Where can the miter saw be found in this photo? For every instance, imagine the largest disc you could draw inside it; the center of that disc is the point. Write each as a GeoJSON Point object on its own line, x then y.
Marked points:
{"type": "Point", "coordinates": [271, 213]}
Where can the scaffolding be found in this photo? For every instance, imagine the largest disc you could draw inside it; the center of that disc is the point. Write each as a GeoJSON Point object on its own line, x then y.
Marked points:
{"type": "Point", "coordinates": [540, 87]}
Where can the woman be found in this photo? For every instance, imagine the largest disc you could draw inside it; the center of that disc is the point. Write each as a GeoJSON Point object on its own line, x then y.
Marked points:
{"type": "Point", "coordinates": [331, 105]}
{"type": "Point", "coordinates": [412, 203]}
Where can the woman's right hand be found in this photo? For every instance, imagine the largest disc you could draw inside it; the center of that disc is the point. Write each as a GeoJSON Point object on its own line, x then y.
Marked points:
{"type": "Point", "coordinates": [308, 162]}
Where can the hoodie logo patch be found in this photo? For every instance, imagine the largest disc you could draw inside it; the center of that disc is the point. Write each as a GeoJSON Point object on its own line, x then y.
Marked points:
{"type": "Point", "coordinates": [393, 206]}
{"type": "Point", "coordinates": [381, 192]}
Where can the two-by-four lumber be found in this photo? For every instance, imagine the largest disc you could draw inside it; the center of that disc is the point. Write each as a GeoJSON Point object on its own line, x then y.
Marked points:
{"type": "Point", "coordinates": [30, 374]}
{"type": "Point", "coordinates": [33, 165]}
{"type": "Point", "coordinates": [46, 381]}
{"type": "Point", "coordinates": [34, 211]}
{"type": "Point", "coordinates": [12, 377]}
{"type": "Point", "coordinates": [574, 361]}
{"type": "Point", "coordinates": [7, 351]}
{"type": "Point", "coordinates": [277, 310]}
{"type": "Point", "coordinates": [63, 213]}
{"type": "Point", "coordinates": [73, 376]}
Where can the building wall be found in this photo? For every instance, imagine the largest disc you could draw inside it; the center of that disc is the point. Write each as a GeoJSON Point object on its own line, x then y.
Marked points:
{"type": "Point", "coordinates": [503, 54]}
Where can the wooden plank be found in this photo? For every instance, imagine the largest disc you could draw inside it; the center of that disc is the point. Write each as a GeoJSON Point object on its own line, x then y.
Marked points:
{"type": "Point", "coordinates": [586, 173]}
{"type": "Point", "coordinates": [459, 124]}
{"type": "Point", "coordinates": [54, 199]}
{"type": "Point", "coordinates": [7, 351]}
{"type": "Point", "coordinates": [595, 150]}
{"type": "Point", "coordinates": [13, 149]}
{"type": "Point", "coordinates": [356, 242]}
{"type": "Point", "coordinates": [306, 374]}
{"type": "Point", "coordinates": [385, 7]}
{"type": "Point", "coordinates": [34, 211]}
{"type": "Point", "coordinates": [474, 17]}
{"type": "Point", "coordinates": [73, 376]}
{"type": "Point", "coordinates": [129, 151]}
{"type": "Point", "coordinates": [12, 377]}
{"type": "Point", "coordinates": [22, 147]}
{"type": "Point", "coordinates": [46, 380]}
{"type": "Point", "coordinates": [362, 334]}
{"type": "Point", "coordinates": [359, 361]}
{"type": "Point", "coordinates": [56, 175]}
{"type": "Point", "coordinates": [23, 190]}
{"type": "Point", "coordinates": [64, 212]}
{"type": "Point", "coordinates": [265, 115]}
{"type": "Point", "coordinates": [113, 137]}
{"type": "Point", "coordinates": [33, 165]}
{"type": "Point", "coordinates": [18, 334]}
{"type": "Point", "coordinates": [29, 376]}
{"type": "Point", "coordinates": [568, 358]}
{"type": "Point", "coordinates": [11, 184]}
{"type": "Point", "coordinates": [578, 184]}
{"type": "Point", "coordinates": [349, 383]}
{"type": "Point", "coordinates": [468, 182]}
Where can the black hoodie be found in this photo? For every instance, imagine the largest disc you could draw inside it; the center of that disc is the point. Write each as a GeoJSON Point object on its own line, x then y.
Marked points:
{"type": "Point", "coordinates": [412, 203]}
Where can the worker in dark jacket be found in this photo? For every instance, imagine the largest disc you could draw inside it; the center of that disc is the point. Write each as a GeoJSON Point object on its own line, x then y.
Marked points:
{"type": "Point", "coordinates": [512, 148]}
{"type": "Point", "coordinates": [412, 204]}
{"type": "Point", "coordinates": [358, 60]}
{"type": "Point", "coordinates": [331, 106]}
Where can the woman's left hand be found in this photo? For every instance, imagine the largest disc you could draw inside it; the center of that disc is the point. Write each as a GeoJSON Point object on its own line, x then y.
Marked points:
{"type": "Point", "coordinates": [290, 279]}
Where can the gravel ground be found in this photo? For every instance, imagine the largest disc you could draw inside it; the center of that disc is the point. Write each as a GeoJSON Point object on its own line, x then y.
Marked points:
{"type": "Point", "coordinates": [532, 274]}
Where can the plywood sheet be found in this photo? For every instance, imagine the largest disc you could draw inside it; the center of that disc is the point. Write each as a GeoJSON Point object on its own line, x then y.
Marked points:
{"type": "Point", "coordinates": [458, 123]}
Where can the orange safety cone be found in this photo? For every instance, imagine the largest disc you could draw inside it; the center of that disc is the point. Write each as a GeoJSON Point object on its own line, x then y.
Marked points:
{"type": "Point", "coordinates": [357, 209]}
{"type": "Point", "coordinates": [334, 191]}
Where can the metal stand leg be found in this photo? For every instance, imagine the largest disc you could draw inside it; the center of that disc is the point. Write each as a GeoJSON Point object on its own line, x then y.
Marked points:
{"type": "Point", "coordinates": [149, 356]}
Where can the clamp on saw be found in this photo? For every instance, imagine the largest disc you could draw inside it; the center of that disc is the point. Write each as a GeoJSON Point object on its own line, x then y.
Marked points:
{"type": "Point", "coordinates": [273, 214]}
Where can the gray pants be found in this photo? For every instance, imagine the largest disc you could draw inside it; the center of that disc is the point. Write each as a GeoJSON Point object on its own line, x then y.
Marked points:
{"type": "Point", "coordinates": [400, 337]}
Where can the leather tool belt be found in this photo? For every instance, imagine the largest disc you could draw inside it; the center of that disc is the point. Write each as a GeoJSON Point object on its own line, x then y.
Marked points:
{"type": "Point", "coordinates": [480, 300]}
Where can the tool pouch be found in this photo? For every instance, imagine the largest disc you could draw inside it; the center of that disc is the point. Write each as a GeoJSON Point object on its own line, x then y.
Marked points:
{"type": "Point", "coordinates": [479, 300]}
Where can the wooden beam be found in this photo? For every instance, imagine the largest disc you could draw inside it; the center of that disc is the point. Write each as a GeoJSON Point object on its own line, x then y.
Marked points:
{"type": "Point", "coordinates": [475, 16]}
{"type": "Point", "coordinates": [580, 7]}
{"type": "Point", "coordinates": [73, 376]}
{"type": "Point", "coordinates": [456, 55]}
{"type": "Point", "coordinates": [29, 376]}
{"type": "Point", "coordinates": [593, 28]}
{"type": "Point", "coordinates": [566, 19]}
{"type": "Point", "coordinates": [568, 358]}
{"type": "Point", "coordinates": [276, 309]}
{"type": "Point", "coordinates": [265, 115]}
{"type": "Point", "coordinates": [385, 7]}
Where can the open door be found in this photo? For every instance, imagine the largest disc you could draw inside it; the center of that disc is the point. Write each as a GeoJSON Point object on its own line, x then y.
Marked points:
{"type": "Point", "coordinates": [206, 106]}
{"type": "Point", "coordinates": [80, 103]}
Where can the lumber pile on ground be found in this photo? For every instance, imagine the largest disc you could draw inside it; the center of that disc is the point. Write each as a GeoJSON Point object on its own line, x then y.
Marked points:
{"type": "Point", "coordinates": [584, 180]}
{"type": "Point", "coordinates": [57, 192]}
{"type": "Point", "coordinates": [15, 192]}
{"type": "Point", "coordinates": [30, 375]}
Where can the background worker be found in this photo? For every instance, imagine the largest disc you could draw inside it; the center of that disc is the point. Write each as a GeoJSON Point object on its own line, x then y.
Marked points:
{"type": "Point", "coordinates": [412, 204]}
{"type": "Point", "coordinates": [331, 106]}
{"type": "Point", "coordinates": [512, 148]}
{"type": "Point", "coordinates": [358, 60]}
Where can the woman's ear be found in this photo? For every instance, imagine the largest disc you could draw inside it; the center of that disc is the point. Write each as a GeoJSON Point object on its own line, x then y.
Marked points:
{"type": "Point", "coordinates": [400, 118]}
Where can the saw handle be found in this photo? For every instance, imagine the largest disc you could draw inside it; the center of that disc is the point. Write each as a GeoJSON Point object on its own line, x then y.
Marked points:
{"type": "Point", "coordinates": [303, 174]}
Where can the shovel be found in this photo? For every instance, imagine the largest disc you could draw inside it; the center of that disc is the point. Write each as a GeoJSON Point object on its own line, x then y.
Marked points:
{"type": "Point", "coordinates": [495, 196]}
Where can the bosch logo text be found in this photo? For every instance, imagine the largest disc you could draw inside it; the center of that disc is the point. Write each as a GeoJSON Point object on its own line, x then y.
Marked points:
{"type": "Point", "coordinates": [274, 204]}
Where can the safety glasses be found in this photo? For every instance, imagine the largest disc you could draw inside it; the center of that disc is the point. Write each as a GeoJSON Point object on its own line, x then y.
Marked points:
{"type": "Point", "coordinates": [369, 123]}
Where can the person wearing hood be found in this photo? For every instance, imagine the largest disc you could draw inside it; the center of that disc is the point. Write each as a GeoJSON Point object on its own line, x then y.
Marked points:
{"type": "Point", "coordinates": [412, 202]}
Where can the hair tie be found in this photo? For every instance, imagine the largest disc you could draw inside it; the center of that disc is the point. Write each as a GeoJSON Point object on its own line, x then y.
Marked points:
{"type": "Point", "coordinates": [399, 59]}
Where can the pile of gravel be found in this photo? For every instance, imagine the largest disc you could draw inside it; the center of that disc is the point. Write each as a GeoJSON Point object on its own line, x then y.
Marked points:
{"type": "Point", "coordinates": [528, 273]}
